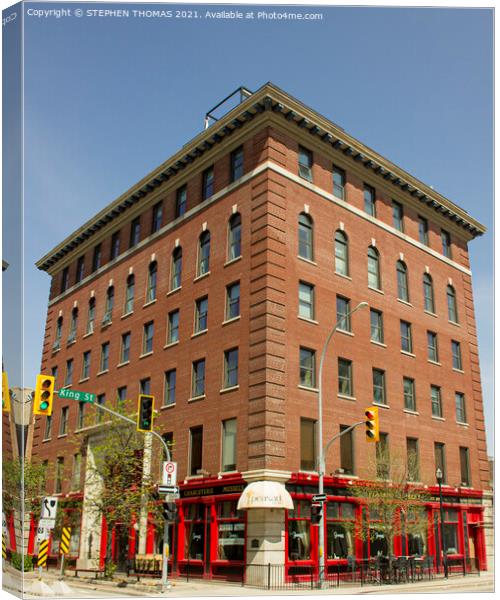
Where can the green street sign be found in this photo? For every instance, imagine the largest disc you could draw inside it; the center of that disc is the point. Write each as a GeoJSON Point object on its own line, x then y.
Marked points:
{"type": "Point", "coordinates": [76, 395]}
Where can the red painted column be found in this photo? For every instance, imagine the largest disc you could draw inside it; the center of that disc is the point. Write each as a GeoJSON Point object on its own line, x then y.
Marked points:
{"type": "Point", "coordinates": [150, 535]}
{"type": "Point", "coordinates": [32, 535]}
{"type": "Point", "coordinates": [104, 543]}
{"type": "Point", "coordinates": [12, 533]}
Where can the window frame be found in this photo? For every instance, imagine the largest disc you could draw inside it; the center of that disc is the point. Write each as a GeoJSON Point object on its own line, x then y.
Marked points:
{"type": "Point", "coordinates": [409, 399]}
{"type": "Point", "coordinates": [180, 201]}
{"type": "Point", "coordinates": [147, 337]}
{"type": "Point", "coordinates": [379, 325]}
{"type": "Point", "coordinates": [172, 327]}
{"type": "Point", "coordinates": [157, 217]}
{"type": "Point", "coordinates": [104, 358]}
{"type": "Point", "coordinates": [125, 347]}
{"type": "Point", "coordinates": [460, 408]}
{"type": "Point", "coordinates": [347, 364]}
{"type": "Point", "coordinates": [370, 200]}
{"type": "Point", "coordinates": [207, 183]}
{"type": "Point", "coordinates": [128, 307]}
{"type": "Point", "coordinates": [373, 268]}
{"type": "Point", "coordinates": [306, 464]}
{"type": "Point", "coordinates": [307, 371]}
{"type": "Point", "coordinates": [236, 162]}
{"type": "Point", "coordinates": [338, 188]}
{"type": "Point", "coordinates": [170, 390]}
{"type": "Point", "coordinates": [343, 318]}
{"type": "Point", "coordinates": [423, 230]}
{"type": "Point", "coordinates": [231, 301]}
{"type": "Point", "coordinates": [305, 163]}
{"type": "Point", "coordinates": [230, 368]}
{"type": "Point", "coordinates": [198, 383]}
{"type": "Point", "coordinates": [135, 232]}
{"type": "Point", "coordinates": [200, 316]}
{"type": "Point", "coordinates": [408, 336]}
{"type": "Point", "coordinates": [226, 435]}
{"type": "Point", "coordinates": [234, 237]}
{"type": "Point", "coordinates": [402, 281]}
{"type": "Point", "coordinates": [428, 287]}
{"type": "Point", "coordinates": [379, 386]}
{"type": "Point", "coordinates": [341, 256]}
{"type": "Point", "coordinates": [306, 300]}
{"type": "Point", "coordinates": [436, 401]}
{"type": "Point", "coordinates": [305, 237]}
{"type": "Point", "coordinates": [432, 346]}
{"type": "Point", "coordinates": [456, 357]}
{"type": "Point", "coordinates": [203, 262]}
{"type": "Point", "coordinates": [398, 216]}
{"type": "Point", "coordinates": [176, 269]}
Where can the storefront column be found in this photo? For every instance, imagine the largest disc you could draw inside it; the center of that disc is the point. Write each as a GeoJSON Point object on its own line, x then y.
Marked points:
{"type": "Point", "coordinates": [489, 538]}
{"type": "Point", "coordinates": [265, 536]}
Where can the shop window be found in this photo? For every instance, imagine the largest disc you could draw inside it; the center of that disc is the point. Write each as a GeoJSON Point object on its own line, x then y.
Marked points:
{"type": "Point", "coordinates": [417, 544]}
{"type": "Point", "coordinates": [194, 527]}
{"type": "Point", "coordinates": [299, 531]}
{"type": "Point", "coordinates": [450, 532]}
{"type": "Point", "coordinates": [230, 532]}
{"type": "Point", "coordinates": [339, 530]}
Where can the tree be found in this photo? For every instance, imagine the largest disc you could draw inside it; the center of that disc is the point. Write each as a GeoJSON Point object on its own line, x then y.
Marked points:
{"type": "Point", "coordinates": [22, 485]}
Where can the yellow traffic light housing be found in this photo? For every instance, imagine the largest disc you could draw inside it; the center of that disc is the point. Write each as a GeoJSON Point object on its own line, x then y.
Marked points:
{"type": "Point", "coordinates": [44, 395]}
{"type": "Point", "coordinates": [5, 393]}
{"type": "Point", "coordinates": [145, 412]}
{"type": "Point", "coordinates": [371, 423]}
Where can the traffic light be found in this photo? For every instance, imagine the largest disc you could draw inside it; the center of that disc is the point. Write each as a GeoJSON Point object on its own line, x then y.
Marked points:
{"type": "Point", "coordinates": [169, 511]}
{"type": "Point", "coordinates": [5, 393]}
{"type": "Point", "coordinates": [372, 434]}
{"type": "Point", "coordinates": [44, 395]}
{"type": "Point", "coordinates": [316, 512]}
{"type": "Point", "coordinates": [145, 411]}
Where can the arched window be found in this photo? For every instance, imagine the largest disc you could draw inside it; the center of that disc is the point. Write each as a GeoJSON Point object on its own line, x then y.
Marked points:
{"type": "Point", "coordinates": [90, 316]}
{"type": "Point", "coordinates": [57, 340]}
{"type": "Point", "coordinates": [374, 280]}
{"type": "Point", "coordinates": [108, 309]}
{"type": "Point", "coordinates": [204, 253]}
{"type": "Point", "coordinates": [428, 293]}
{"type": "Point", "coordinates": [129, 295]}
{"type": "Point", "coordinates": [152, 277]}
{"type": "Point", "coordinates": [176, 272]}
{"type": "Point", "coordinates": [341, 253]}
{"type": "Point", "coordinates": [402, 275]}
{"type": "Point", "coordinates": [73, 325]}
{"type": "Point", "coordinates": [452, 304]}
{"type": "Point", "coordinates": [234, 237]}
{"type": "Point", "coordinates": [306, 236]}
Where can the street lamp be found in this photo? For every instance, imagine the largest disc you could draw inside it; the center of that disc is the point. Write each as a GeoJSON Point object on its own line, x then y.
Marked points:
{"type": "Point", "coordinates": [439, 478]}
{"type": "Point", "coordinates": [320, 449]}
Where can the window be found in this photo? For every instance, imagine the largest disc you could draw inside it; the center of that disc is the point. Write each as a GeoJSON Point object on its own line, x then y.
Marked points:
{"type": "Point", "coordinates": [452, 304]}
{"type": "Point", "coordinates": [232, 301]}
{"type": "Point", "coordinates": [423, 231]}
{"type": "Point", "coordinates": [231, 368]}
{"type": "Point", "coordinates": [299, 531]}
{"type": "Point", "coordinates": [86, 365]}
{"type": "Point", "coordinates": [339, 531]}
{"type": "Point", "coordinates": [104, 364]}
{"type": "Point", "coordinates": [207, 183]}
{"type": "Point", "coordinates": [152, 280]}
{"type": "Point", "coordinates": [343, 313]}
{"type": "Point", "coordinates": [195, 449]}
{"type": "Point", "coordinates": [73, 326]}
{"type": "Point", "coordinates": [410, 402]}
{"type": "Point", "coordinates": [54, 374]}
{"type": "Point", "coordinates": [80, 269]}
{"type": "Point", "coordinates": [305, 163]}
{"type": "Point", "coordinates": [307, 370]}
{"type": "Point", "coordinates": [378, 377]}
{"type": "Point", "coordinates": [306, 300]}
{"type": "Point", "coordinates": [347, 451]}
{"type": "Point", "coordinates": [129, 295]}
{"type": "Point", "coordinates": [64, 279]}
{"type": "Point", "coordinates": [436, 406]}
{"type": "Point", "coordinates": [464, 466]}
{"type": "Point", "coordinates": [341, 253]}
{"type": "Point", "coordinates": [460, 407]}
{"type": "Point", "coordinates": [115, 245]}
{"type": "Point", "coordinates": [234, 237]}
{"type": "Point", "coordinates": [446, 243]}
{"type": "Point", "coordinates": [428, 294]}
{"type": "Point", "coordinates": [456, 354]}
{"type": "Point", "coordinates": [77, 469]}
{"type": "Point", "coordinates": [201, 315]}
{"type": "Point", "coordinates": [170, 384]}
{"type": "Point", "coordinates": [338, 183]}
{"type": "Point", "coordinates": [59, 474]}
{"type": "Point", "coordinates": [175, 276]}
{"type": "Point", "coordinates": [397, 215]}
{"type": "Point", "coordinates": [180, 201]}
{"type": "Point", "coordinates": [101, 401]}
{"type": "Point", "coordinates": [369, 195]}
{"type": "Point", "coordinates": [125, 348]}
{"type": "Point", "coordinates": [198, 383]}
{"type": "Point", "coordinates": [383, 457]}
{"type": "Point", "coordinates": [236, 163]}
{"type": "Point", "coordinates": [63, 423]}
{"type": "Point", "coordinates": [173, 327]}
{"type": "Point", "coordinates": [402, 276]}
{"type": "Point", "coordinates": [406, 337]}
{"type": "Point", "coordinates": [90, 317]}
{"type": "Point", "coordinates": [147, 338]}
{"type": "Point", "coordinates": [204, 254]}
{"type": "Point", "coordinates": [157, 217]}
{"type": "Point", "coordinates": [307, 445]}
{"type": "Point", "coordinates": [58, 336]}
{"type": "Point", "coordinates": [376, 326]}
{"type": "Point", "coordinates": [108, 308]}
{"type": "Point", "coordinates": [68, 378]}
{"type": "Point", "coordinates": [306, 237]}
{"type": "Point", "coordinates": [135, 232]}
{"type": "Point", "coordinates": [121, 397]}
{"type": "Point", "coordinates": [145, 386]}
{"type": "Point", "coordinates": [440, 459]}
{"type": "Point", "coordinates": [374, 269]}
{"type": "Point", "coordinates": [48, 428]}
{"type": "Point", "coordinates": [412, 461]}
{"type": "Point", "coordinates": [96, 259]}
{"type": "Point", "coordinates": [432, 347]}
{"type": "Point", "coordinates": [345, 377]}
{"type": "Point", "coordinates": [80, 423]}
{"type": "Point", "coordinates": [228, 445]}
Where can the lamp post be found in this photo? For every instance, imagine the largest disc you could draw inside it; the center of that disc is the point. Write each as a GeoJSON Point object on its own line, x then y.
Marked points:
{"type": "Point", "coordinates": [439, 477]}
{"type": "Point", "coordinates": [320, 448]}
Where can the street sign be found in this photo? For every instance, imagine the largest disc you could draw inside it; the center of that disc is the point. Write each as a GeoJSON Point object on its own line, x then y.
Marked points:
{"type": "Point", "coordinates": [169, 474]}
{"type": "Point", "coordinates": [49, 508]}
{"type": "Point", "coordinates": [76, 395]}
{"type": "Point", "coordinates": [4, 526]}
{"type": "Point", "coordinates": [319, 498]}
{"type": "Point", "coordinates": [42, 533]}
{"type": "Point", "coordinates": [47, 523]}
{"type": "Point", "coordinates": [65, 540]}
{"type": "Point", "coordinates": [168, 489]}
{"type": "Point", "coordinates": [43, 553]}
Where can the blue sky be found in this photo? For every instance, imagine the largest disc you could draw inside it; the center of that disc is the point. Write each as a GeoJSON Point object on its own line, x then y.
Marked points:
{"type": "Point", "coordinates": [107, 100]}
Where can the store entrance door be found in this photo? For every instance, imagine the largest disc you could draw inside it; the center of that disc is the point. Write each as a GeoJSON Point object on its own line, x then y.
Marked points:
{"type": "Point", "coordinates": [121, 547]}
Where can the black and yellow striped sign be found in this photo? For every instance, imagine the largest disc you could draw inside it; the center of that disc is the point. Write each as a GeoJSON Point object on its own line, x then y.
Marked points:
{"type": "Point", "coordinates": [65, 538]}
{"type": "Point", "coordinates": [43, 553]}
{"type": "Point", "coordinates": [4, 548]}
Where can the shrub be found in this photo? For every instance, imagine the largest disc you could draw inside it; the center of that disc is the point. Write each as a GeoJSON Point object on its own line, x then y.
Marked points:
{"type": "Point", "coordinates": [17, 561]}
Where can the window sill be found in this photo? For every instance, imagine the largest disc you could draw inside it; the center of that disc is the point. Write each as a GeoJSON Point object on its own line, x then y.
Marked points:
{"type": "Point", "coordinates": [308, 388]}
{"type": "Point", "coordinates": [376, 290]}
{"type": "Point", "coordinates": [127, 314]}
{"type": "Point", "coordinates": [436, 418]}
{"type": "Point", "coordinates": [196, 398]}
{"type": "Point", "coordinates": [346, 397]}
{"type": "Point", "coordinates": [46, 440]}
{"type": "Point", "coordinates": [345, 332]}
{"type": "Point", "coordinates": [233, 260]}
{"type": "Point", "coordinates": [68, 344]}
{"type": "Point", "coordinates": [56, 350]}
{"type": "Point", "coordinates": [434, 362]}
{"type": "Point", "coordinates": [380, 405]}
{"type": "Point", "coordinates": [343, 276]}
{"type": "Point", "coordinates": [462, 424]}
{"type": "Point", "coordinates": [198, 277]}
{"type": "Point", "coordinates": [404, 302]}
{"type": "Point", "coordinates": [408, 353]}
{"type": "Point", "coordinates": [431, 314]}
{"type": "Point", "coordinates": [62, 435]}
{"type": "Point", "coordinates": [84, 379]}
{"type": "Point", "coordinates": [149, 303]}
{"type": "Point", "coordinates": [107, 324]}
{"type": "Point", "coordinates": [123, 364]}
{"type": "Point", "coordinates": [170, 344]}
{"type": "Point", "coordinates": [381, 344]}
{"type": "Point", "coordinates": [166, 406]}
{"type": "Point", "coordinates": [232, 320]}
{"type": "Point", "coordinates": [307, 320]}
{"type": "Point", "coordinates": [454, 323]}
{"type": "Point", "coordinates": [458, 370]}
{"type": "Point", "coordinates": [411, 412]}
{"type": "Point", "coordinates": [145, 355]}
{"type": "Point", "coordinates": [88, 334]}
{"type": "Point", "coordinates": [174, 291]}
{"type": "Point", "coordinates": [66, 386]}
{"type": "Point", "coordinates": [233, 388]}
{"type": "Point", "coordinates": [307, 260]}
{"type": "Point", "coordinates": [198, 333]}
{"type": "Point", "coordinates": [102, 372]}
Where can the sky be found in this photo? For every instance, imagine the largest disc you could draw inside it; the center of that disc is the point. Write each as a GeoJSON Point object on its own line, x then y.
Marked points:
{"type": "Point", "coordinates": [108, 99]}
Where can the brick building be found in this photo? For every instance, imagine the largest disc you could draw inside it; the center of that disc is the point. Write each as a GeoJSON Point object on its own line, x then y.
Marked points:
{"type": "Point", "coordinates": [213, 283]}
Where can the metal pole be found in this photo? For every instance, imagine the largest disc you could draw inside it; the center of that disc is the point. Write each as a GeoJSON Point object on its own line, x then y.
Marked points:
{"type": "Point", "coordinates": [320, 450]}
{"type": "Point", "coordinates": [441, 529]}
{"type": "Point", "coordinates": [62, 566]}
{"type": "Point", "coordinates": [166, 554]}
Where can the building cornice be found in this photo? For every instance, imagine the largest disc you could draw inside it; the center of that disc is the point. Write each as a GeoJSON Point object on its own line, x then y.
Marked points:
{"type": "Point", "coordinates": [268, 99]}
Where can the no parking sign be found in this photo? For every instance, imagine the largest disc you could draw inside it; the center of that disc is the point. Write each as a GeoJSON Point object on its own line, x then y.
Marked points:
{"type": "Point", "coordinates": [169, 473]}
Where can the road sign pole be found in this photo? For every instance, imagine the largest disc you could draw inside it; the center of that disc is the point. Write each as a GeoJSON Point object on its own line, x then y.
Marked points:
{"type": "Point", "coordinates": [63, 556]}
{"type": "Point", "coordinates": [166, 554]}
